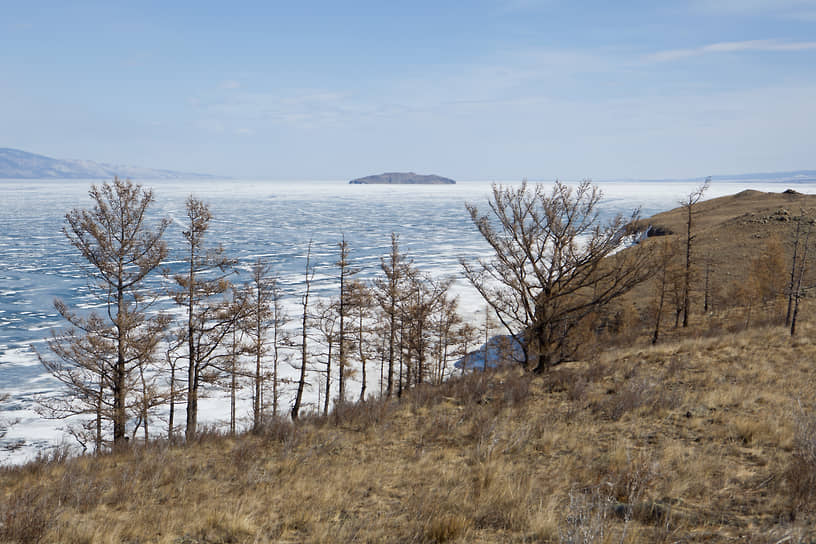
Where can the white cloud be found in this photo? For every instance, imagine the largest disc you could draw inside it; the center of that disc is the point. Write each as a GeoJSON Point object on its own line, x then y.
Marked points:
{"type": "Point", "coordinates": [731, 47]}
{"type": "Point", "coordinates": [786, 9]}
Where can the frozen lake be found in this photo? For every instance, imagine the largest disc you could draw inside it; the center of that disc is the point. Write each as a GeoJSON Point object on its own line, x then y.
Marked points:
{"type": "Point", "coordinates": [273, 220]}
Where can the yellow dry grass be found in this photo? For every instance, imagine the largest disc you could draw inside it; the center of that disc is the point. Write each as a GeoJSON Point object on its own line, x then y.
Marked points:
{"type": "Point", "coordinates": [709, 436]}
{"type": "Point", "coordinates": [684, 442]}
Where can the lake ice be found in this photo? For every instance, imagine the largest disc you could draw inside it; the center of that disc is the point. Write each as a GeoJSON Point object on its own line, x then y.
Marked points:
{"type": "Point", "coordinates": [272, 220]}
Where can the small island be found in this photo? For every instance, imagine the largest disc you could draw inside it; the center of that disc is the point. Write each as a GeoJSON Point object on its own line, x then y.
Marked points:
{"type": "Point", "coordinates": [409, 178]}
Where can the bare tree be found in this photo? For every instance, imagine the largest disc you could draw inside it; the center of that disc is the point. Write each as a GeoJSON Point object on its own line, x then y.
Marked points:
{"type": "Point", "coordinates": [424, 296]}
{"type": "Point", "coordinates": [279, 337]}
{"type": "Point", "coordinates": [360, 306]}
{"type": "Point", "coordinates": [201, 290]}
{"type": "Point", "coordinates": [487, 330]}
{"type": "Point", "coordinates": [264, 316]}
{"type": "Point", "coordinates": [798, 289]}
{"type": "Point", "coordinates": [466, 336]}
{"type": "Point", "coordinates": [325, 321]}
{"type": "Point", "coordinates": [172, 359]}
{"type": "Point", "coordinates": [707, 285]}
{"type": "Point", "coordinates": [389, 293]}
{"type": "Point", "coordinates": [304, 302]}
{"type": "Point", "coordinates": [688, 203]}
{"type": "Point", "coordinates": [445, 322]}
{"type": "Point", "coordinates": [667, 274]}
{"type": "Point", "coordinates": [99, 356]}
{"type": "Point", "coordinates": [553, 263]}
{"type": "Point", "coordinates": [235, 347]}
{"type": "Point", "coordinates": [148, 396]}
{"type": "Point", "coordinates": [794, 268]}
{"type": "Point", "coordinates": [346, 274]}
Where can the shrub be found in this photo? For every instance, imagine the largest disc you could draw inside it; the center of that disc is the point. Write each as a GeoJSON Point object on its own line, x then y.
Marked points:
{"type": "Point", "coordinates": [801, 473]}
{"type": "Point", "coordinates": [25, 518]}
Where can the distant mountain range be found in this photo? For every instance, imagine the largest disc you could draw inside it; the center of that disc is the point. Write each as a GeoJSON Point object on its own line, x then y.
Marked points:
{"type": "Point", "coordinates": [794, 176]}
{"type": "Point", "coordinates": [16, 164]}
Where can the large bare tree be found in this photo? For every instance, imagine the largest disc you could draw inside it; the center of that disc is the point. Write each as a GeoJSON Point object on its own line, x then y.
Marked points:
{"type": "Point", "coordinates": [553, 264]}
{"type": "Point", "coordinates": [99, 357]}
{"type": "Point", "coordinates": [201, 290]}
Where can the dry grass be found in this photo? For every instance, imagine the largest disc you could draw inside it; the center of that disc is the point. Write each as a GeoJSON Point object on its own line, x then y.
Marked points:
{"type": "Point", "coordinates": [697, 440]}
{"type": "Point", "coordinates": [710, 436]}
{"type": "Point", "coordinates": [730, 232]}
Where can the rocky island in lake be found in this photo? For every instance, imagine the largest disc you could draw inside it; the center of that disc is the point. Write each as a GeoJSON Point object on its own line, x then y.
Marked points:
{"type": "Point", "coordinates": [393, 178]}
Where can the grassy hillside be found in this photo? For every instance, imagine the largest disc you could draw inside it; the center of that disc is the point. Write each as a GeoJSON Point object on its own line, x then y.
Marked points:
{"type": "Point", "coordinates": [709, 436]}
{"type": "Point", "coordinates": [730, 231]}
{"type": "Point", "coordinates": [735, 240]}
{"type": "Point", "coordinates": [700, 440]}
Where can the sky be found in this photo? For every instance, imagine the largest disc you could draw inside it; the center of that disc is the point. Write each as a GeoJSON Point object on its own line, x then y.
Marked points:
{"type": "Point", "coordinates": [478, 90]}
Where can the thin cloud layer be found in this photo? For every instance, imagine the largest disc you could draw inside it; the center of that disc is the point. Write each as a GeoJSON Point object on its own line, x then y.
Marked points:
{"type": "Point", "coordinates": [766, 46]}
{"type": "Point", "coordinates": [494, 89]}
{"type": "Point", "coordinates": [790, 9]}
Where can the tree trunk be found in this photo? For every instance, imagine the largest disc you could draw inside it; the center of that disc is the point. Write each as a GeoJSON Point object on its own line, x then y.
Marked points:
{"type": "Point", "coordinates": [303, 346]}
{"type": "Point", "coordinates": [171, 417]}
{"type": "Point", "coordinates": [192, 403]}
{"type": "Point", "coordinates": [258, 407]}
{"type": "Point", "coordinates": [328, 380]}
{"type": "Point", "coordinates": [275, 371]}
{"type": "Point", "coordinates": [707, 276]}
{"type": "Point", "coordinates": [119, 385]}
{"type": "Point", "coordinates": [792, 282]}
{"type": "Point", "coordinates": [362, 357]}
{"type": "Point", "coordinates": [798, 295]}
{"type": "Point", "coordinates": [233, 383]}
{"type": "Point", "coordinates": [401, 352]}
{"type": "Point", "coordinates": [192, 370]}
{"type": "Point", "coordinates": [391, 340]}
{"type": "Point", "coordinates": [98, 438]}
{"type": "Point", "coordinates": [687, 279]}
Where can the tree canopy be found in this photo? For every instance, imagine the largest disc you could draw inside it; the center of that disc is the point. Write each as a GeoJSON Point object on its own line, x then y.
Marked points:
{"type": "Point", "coordinates": [554, 263]}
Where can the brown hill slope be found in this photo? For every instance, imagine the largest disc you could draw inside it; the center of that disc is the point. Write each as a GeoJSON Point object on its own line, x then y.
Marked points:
{"type": "Point", "coordinates": [694, 441]}
{"type": "Point", "coordinates": [727, 229]}
{"type": "Point", "coordinates": [731, 236]}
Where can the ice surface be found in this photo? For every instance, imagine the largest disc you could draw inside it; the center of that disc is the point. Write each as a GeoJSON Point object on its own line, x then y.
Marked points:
{"type": "Point", "coordinates": [272, 220]}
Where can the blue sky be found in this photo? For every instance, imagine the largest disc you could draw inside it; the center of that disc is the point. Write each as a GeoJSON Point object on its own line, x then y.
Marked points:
{"type": "Point", "coordinates": [483, 90]}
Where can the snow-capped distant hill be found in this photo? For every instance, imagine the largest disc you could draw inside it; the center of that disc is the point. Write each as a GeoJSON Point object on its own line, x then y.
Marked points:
{"type": "Point", "coordinates": [16, 164]}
